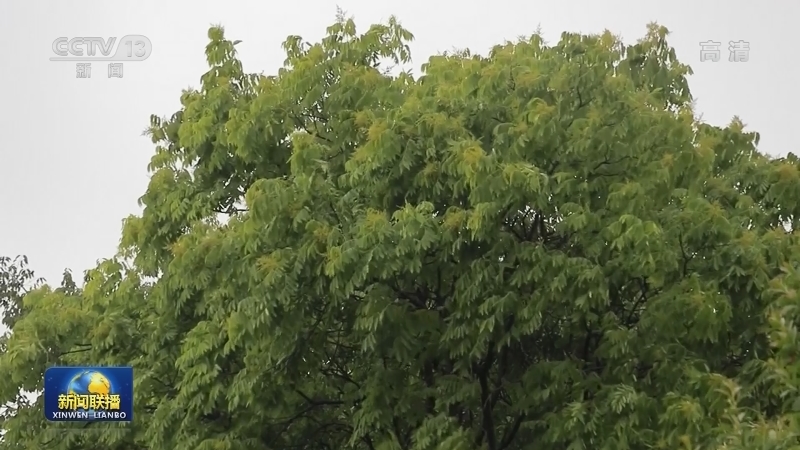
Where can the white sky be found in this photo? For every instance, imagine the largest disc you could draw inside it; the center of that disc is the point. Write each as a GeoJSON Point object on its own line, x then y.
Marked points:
{"type": "Point", "coordinates": [73, 160]}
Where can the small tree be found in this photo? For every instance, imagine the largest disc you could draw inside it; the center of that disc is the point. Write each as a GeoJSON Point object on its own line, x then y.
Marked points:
{"type": "Point", "coordinates": [16, 278]}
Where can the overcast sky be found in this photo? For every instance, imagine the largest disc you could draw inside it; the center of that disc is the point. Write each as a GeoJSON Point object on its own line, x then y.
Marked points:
{"type": "Point", "coordinates": [73, 160]}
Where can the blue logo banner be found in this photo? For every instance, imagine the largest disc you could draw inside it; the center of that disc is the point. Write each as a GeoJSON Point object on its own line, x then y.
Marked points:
{"type": "Point", "coordinates": [88, 394]}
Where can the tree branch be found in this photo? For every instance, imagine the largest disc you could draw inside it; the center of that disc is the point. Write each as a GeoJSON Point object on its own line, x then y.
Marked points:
{"type": "Point", "coordinates": [508, 436]}
{"type": "Point", "coordinates": [487, 419]}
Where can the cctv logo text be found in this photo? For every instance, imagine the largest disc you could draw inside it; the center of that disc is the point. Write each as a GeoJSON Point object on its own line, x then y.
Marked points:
{"type": "Point", "coordinates": [130, 48]}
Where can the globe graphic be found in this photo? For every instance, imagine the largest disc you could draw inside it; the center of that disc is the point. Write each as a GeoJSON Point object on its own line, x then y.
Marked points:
{"type": "Point", "coordinates": [89, 382]}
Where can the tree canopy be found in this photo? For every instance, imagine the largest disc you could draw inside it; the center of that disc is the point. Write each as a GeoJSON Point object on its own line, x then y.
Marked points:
{"type": "Point", "coordinates": [539, 248]}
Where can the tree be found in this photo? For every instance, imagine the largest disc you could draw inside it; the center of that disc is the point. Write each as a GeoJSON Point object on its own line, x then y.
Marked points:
{"type": "Point", "coordinates": [15, 279]}
{"type": "Point", "coordinates": [539, 248]}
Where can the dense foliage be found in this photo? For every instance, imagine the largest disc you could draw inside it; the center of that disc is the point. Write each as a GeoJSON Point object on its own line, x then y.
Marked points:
{"type": "Point", "coordinates": [16, 279]}
{"type": "Point", "coordinates": [541, 248]}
